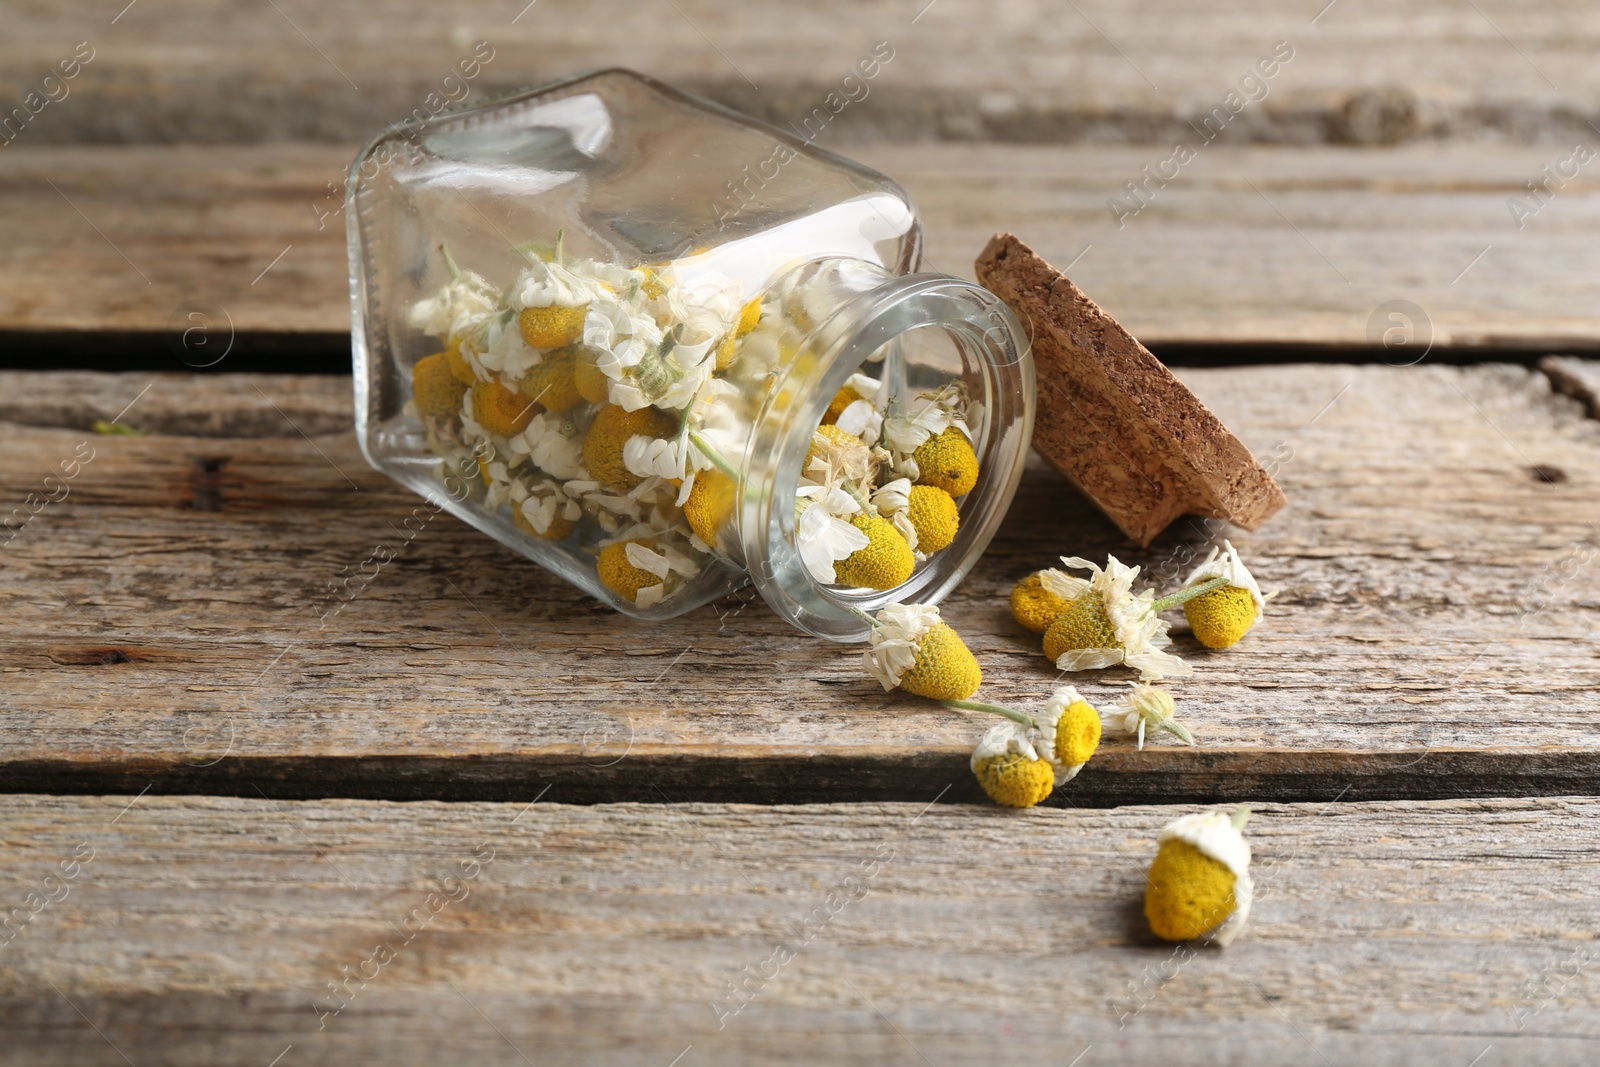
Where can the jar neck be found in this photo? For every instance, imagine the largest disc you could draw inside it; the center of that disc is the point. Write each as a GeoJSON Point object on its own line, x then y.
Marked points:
{"type": "Point", "coordinates": [915, 333]}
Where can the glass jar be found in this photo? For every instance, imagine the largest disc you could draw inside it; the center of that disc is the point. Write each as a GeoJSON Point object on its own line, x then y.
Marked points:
{"type": "Point", "coordinates": [664, 350]}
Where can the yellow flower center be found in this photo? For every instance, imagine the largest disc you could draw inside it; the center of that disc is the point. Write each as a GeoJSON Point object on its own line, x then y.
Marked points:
{"type": "Point", "coordinates": [552, 381]}
{"type": "Point", "coordinates": [841, 400]}
{"type": "Point", "coordinates": [948, 462]}
{"type": "Point", "coordinates": [500, 410]}
{"type": "Point", "coordinates": [726, 351]}
{"type": "Point", "coordinates": [551, 327]}
{"type": "Point", "coordinates": [609, 434]}
{"type": "Point", "coordinates": [619, 574]}
{"type": "Point", "coordinates": [1013, 780]}
{"type": "Point", "coordinates": [458, 364]}
{"type": "Point", "coordinates": [437, 391]}
{"type": "Point", "coordinates": [1034, 606]}
{"type": "Point", "coordinates": [886, 561]}
{"type": "Point", "coordinates": [1082, 623]}
{"type": "Point", "coordinates": [587, 377]}
{"type": "Point", "coordinates": [709, 505]}
{"type": "Point", "coordinates": [749, 316]}
{"type": "Point", "coordinates": [1187, 893]}
{"type": "Point", "coordinates": [945, 668]}
{"type": "Point", "coordinates": [1077, 734]}
{"type": "Point", "coordinates": [1219, 618]}
{"type": "Point", "coordinates": [934, 516]}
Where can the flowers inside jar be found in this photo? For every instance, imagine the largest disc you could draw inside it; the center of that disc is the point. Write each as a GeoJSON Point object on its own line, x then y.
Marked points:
{"type": "Point", "coordinates": [611, 409]}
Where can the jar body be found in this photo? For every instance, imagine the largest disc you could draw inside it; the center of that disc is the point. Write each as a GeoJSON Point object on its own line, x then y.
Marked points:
{"type": "Point", "coordinates": [573, 305]}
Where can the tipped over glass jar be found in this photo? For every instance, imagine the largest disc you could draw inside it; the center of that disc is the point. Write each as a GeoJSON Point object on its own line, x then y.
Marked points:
{"type": "Point", "coordinates": [664, 350]}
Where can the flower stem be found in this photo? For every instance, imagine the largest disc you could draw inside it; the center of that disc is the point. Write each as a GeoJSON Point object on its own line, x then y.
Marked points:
{"type": "Point", "coordinates": [1183, 595]}
{"type": "Point", "coordinates": [991, 709]}
{"type": "Point", "coordinates": [1176, 729]}
{"type": "Point", "coordinates": [714, 456]}
{"type": "Point", "coordinates": [864, 617]}
{"type": "Point", "coordinates": [450, 264]}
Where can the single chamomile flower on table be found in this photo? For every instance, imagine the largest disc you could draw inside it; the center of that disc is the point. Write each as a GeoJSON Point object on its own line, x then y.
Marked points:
{"type": "Point", "coordinates": [1146, 707]}
{"type": "Point", "coordinates": [913, 649]}
{"type": "Point", "coordinates": [1199, 882]}
{"type": "Point", "coordinates": [1019, 763]}
{"type": "Point", "coordinates": [1220, 617]}
{"type": "Point", "coordinates": [1043, 595]}
{"type": "Point", "coordinates": [1107, 624]}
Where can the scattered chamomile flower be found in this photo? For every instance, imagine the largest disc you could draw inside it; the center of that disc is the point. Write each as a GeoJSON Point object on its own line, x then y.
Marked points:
{"type": "Point", "coordinates": [1199, 882]}
{"type": "Point", "coordinates": [1108, 624]}
{"type": "Point", "coordinates": [1010, 769]}
{"type": "Point", "coordinates": [1144, 706]}
{"type": "Point", "coordinates": [1043, 595]}
{"type": "Point", "coordinates": [913, 649]}
{"type": "Point", "coordinates": [1070, 727]}
{"type": "Point", "coordinates": [1222, 616]}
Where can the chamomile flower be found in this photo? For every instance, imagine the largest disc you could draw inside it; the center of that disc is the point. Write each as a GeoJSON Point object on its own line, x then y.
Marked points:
{"type": "Point", "coordinates": [551, 303]}
{"type": "Point", "coordinates": [934, 517]}
{"type": "Point", "coordinates": [913, 649]}
{"type": "Point", "coordinates": [547, 512]}
{"type": "Point", "coordinates": [437, 390]}
{"type": "Point", "coordinates": [928, 416]}
{"type": "Point", "coordinates": [835, 455]}
{"type": "Point", "coordinates": [605, 445]}
{"type": "Point", "coordinates": [1069, 732]}
{"type": "Point", "coordinates": [824, 534]}
{"type": "Point", "coordinates": [893, 501]}
{"type": "Point", "coordinates": [1222, 616]}
{"type": "Point", "coordinates": [1145, 706]}
{"type": "Point", "coordinates": [1199, 882]}
{"type": "Point", "coordinates": [885, 561]}
{"type": "Point", "coordinates": [1010, 769]}
{"type": "Point", "coordinates": [457, 307]}
{"type": "Point", "coordinates": [1043, 595]}
{"type": "Point", "coordinates": [1108, 624]}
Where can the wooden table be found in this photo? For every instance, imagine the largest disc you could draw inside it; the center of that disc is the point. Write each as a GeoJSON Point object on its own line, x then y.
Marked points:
{"type": "Point", "coordinates": [241, 780]}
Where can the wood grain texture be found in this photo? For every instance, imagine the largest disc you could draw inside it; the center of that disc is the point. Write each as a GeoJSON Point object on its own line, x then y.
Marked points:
{"type": "Point", "coordinates": [204, 930]}
{"type": "Point", "coordinates": [1368, 71]}
{"type": "Point", "coordinates": [1245, 245]}
{"type": "Point", "coordinates": [1115, 421]}
{"type": "Point", "coordinates": [201, 614]}
{"type": "Point", "coordinates": [1578, 378]}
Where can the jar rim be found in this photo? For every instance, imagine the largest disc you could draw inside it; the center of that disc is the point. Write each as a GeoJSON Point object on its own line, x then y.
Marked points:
{"type": "Point", "coordinates": [994, 349]}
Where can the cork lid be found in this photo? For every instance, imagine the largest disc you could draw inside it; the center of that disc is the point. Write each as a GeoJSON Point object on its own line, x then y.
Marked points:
{"type": "Point", "coordinates": [1113, 418]}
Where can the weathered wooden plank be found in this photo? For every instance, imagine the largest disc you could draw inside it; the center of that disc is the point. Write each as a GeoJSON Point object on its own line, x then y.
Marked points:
{"type": "Point", "coordinates": [1245, 245]}
{"type": "Point", "coordinates": [1364, 71]}
{"type": "Point", "coordinates": [207, 930]}
{"type": "Point", "coordinates": [197, 614]}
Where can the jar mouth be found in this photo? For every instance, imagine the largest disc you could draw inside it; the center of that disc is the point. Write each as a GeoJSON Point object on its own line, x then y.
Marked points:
{"type": "Point", "coordinates": [913, 332]}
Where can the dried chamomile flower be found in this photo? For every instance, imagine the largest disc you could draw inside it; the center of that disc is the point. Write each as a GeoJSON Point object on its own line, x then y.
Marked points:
{"type": "Point", "coordinates": [1146, 706]}
{"type": "Point", "coordinates": [835, 455]}
{"type": "Point", "coordinates": [911, 648]}
{"type": "Point", "coordinates": [710, 503]}
{"type": "Point", "coordinates": [1010, 769]}
{"type": "Point", "coordinates": [460, 365]}
{"type": "Point", "coordinates": [552, 380]}
{"type": "Point", "coordinates": [824, 534]}
{"type": "Point", "coordinates": [1108, 624]}
{"type": "Point", "coordinates": [1070, 732]}
{"type": "Point", "coordinates": [613, 427]}
{"type": "Point", "coordinates": [883, 563]}
{"type": "Point", "coordinates": [1043, 595]}
{"type": "Point", "coordinates": [500, 410]}
{"type": "Point", "coordinates": [437, 391]}
{"type": "Point", "coordinates": [1222, 616]}
{"type": "Point", "coordinates": [464, 301]}
{"type": "Point", "coordinates": [948, 462]}
{"type": "Point", "coordinates": [749, 318]}
{"type": "Point", "coordinates": [1200, 881]}
{"type": "Point", "coordinates": [547, 513]}
{"type": "Point", "coordinates": [934, 516]}
{"type": "Point", "coordinates": [587, 377]}
{"type": "Point", "coordinates": [551, 304]}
